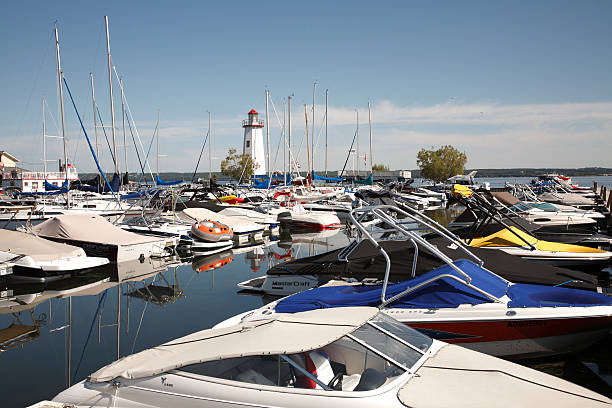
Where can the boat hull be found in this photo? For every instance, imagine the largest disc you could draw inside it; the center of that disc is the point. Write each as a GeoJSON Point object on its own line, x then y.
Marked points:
{"type": "Point", "coordinates": [524, 338]}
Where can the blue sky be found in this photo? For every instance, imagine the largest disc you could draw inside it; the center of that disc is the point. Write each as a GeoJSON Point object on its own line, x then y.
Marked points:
{"type": "Point", "coordinates": [513, 84]}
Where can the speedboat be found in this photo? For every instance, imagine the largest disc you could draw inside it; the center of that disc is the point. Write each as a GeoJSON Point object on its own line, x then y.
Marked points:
{"type": "Point", "coordinates": [462, 302]}
{"type": "Point", "coordinates": [361, 261]}
{"type": "Point", "coordinates": [516, 242]}
{"type": "Point", "coordinates": [349, 357]}
{"type": "Point", "coordinates": [40, 259]}
{"type": "Point", "coordinates": [245, 230]}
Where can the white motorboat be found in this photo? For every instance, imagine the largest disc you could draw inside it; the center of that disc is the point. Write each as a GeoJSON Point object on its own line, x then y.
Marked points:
{"type": "Point", "coordinates": [99, 237]}
{"type": "Point", "coordinates": [346, 357]}
{"type": "Point", "coordinates": [300, 218]}
{"type": "Point", "coordinates": [37, 258]}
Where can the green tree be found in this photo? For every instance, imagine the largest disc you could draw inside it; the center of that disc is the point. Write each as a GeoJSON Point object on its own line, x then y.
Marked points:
{"type": "Point", "coordinates": [438, 165]}
{"type": "Point", "coordinates": [237, 166]}
{"type": "Point", "coordinates": [380, 167]}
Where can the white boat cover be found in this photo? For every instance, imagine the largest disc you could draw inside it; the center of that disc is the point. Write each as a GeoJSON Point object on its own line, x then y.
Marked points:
{"type": "Point", "coordinates": [89, 228]}
{"type": "Point", "coordinates": [39, 249]}
{"type": "Point", "coordinates": [236, 222]}
{"type": "Point", "coordinates": [479, 379]}
{"type": "Point", "coordinates": [566, 198]}
{"type": "Point", "coordinates": [286, 333]}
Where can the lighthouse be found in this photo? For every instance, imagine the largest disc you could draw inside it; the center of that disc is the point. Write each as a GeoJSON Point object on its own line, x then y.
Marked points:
{"type": "Point", "coordinates": [253, 142]}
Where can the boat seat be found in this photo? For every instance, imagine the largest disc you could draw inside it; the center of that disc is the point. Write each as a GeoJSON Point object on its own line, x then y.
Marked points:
{"type": "Point", "coordinates": [253, 377]}
{"type": "Point", "coordinates": [317, 363]}
{"type": "Point", "coordinates": [370, 379]}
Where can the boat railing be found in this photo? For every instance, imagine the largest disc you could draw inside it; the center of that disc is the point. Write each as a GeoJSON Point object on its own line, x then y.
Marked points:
{"type": "Point", "coordinates": [357, 215]}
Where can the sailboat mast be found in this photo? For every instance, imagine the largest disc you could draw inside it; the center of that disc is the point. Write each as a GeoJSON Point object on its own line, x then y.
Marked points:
{"type": "Point", "coordinates": [268, 134]}
{"type": "Point", "coordinates": [209, 152]}
{"type": "Point", "coordinates": [289, 128]}
{"type": "Point", "coordinates": [93, 101]}
{"type": "Point", "coordinates": [326, 93]}
{"type": "Point", "coordinates": [307, 145]}
{"type": "Point", "coordinates": [61, 95]}
{"type": "Point", "coordinates": [356, 147]}
{"type": "Point", "coordinates": [110, 90]}
{"type": "Point", "coordinates": [157, 155]}
{"type": "Point", "coordinates": [370, 122]}
{"type": "Point", "coordinates": [314, 90]}
{"type": "Point", "coordinates": [123, 126]}
{"type": "Point", "coordinates": [44, 131]}
{"type": "Point", "coordinates": [284, 142]}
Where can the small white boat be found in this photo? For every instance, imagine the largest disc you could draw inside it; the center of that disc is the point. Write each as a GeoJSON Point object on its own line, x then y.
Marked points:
{"type": "Point", "coordinates": [344, 357]}
{"type": "Point", "coordinates": [300, 218]}
{"type": "Point", "coordinates": [40, 259]}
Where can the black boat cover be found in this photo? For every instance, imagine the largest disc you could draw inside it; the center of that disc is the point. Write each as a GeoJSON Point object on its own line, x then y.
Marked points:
{"type": "Point", "coordinates": [367, 261]}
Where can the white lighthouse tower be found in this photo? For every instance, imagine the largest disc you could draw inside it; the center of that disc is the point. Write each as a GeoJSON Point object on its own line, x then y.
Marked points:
{"type": "Point", "coordinates": [253, 142]}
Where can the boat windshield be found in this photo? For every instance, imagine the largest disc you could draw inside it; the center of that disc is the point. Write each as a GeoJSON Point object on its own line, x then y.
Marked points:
{"type": "Point", "coordinates": [546, 207]}
{"type": "Point", "coordinates": [520, 207]}
{"type": "Point", "coordinates": [371, 356]}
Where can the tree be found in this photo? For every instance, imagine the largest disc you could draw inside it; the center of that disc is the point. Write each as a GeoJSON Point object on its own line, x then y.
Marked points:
{"type": "Point", "coordinates": [237, 166]}
{"type": "Point", "coordinates": [380, 167]}
{"type": "Point", "coordinates": [439, 165]}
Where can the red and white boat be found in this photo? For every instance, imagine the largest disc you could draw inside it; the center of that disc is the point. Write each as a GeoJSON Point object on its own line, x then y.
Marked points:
{"type": "Point", "coordinates": [462, 302]}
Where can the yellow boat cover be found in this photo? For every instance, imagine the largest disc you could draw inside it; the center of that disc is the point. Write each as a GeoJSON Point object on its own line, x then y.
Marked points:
{"type": "Point", "coordinates": [459, 191]}
{"type": "Point", "coordinates": [505, 238]}
{"type": "Point", "coordinates": [228, 198]}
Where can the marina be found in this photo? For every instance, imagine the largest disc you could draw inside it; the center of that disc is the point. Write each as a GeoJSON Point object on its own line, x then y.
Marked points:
{"type": "Point", "coordinates": [272, 208]}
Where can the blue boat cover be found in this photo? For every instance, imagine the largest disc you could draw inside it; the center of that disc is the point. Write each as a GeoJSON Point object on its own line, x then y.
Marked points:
{"type": "Point", "coordinates": [443, 293]}
{"type": "Point", "coordinates": [315, 176]}
{"type": "Point", "coordinates": [53, 187]}
{"type": "Point", "coordinates": [167, 183]}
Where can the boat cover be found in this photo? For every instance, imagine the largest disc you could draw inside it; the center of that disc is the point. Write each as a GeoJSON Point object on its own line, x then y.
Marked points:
{"type": "Point", "coordinates": [367, 261]}
{"type": "Point", "coordinates": [315, 176]}
{"type": "Point", "coordinates": [234, 221]}
{"type": "Point", "coordinates": [442, 293]}
{"type": "Point", "coordinates": [284, 334]}
{"type": "Point", "coordinates": [39, 249]}
{"type": "Point", "coordinates": [566, 199]}
{"type": "Point", "coordinates": [161, 182]}
{"type": "Point", "coordinates": [88, 228]}
{"type": "Point", "coordinates": [505, 238]}
{"type": "Point", "coordinates": [505, 198]}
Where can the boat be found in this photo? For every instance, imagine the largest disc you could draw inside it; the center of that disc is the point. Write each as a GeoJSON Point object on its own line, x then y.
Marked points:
{"type": "Point", "coordinates": [301, 219]}
{"type": "Point", "coordinates": [35, 258]}
{"type": "Point", "coordinates": [462, 302]}
{"type": "Point", "coordinates": [99, 237]}
{"type": "Point", "coordinates": [349, 357]}
{"type": "Point", "coordinates": [211, 231]}
{"type": "Point", "coordinates": [361, 261]}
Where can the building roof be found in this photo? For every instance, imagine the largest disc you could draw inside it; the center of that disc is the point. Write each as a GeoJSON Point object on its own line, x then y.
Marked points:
{"type": "Point", "coordinates": [253, 112]}
{"type": "Point", "coordinates": [10, 156]}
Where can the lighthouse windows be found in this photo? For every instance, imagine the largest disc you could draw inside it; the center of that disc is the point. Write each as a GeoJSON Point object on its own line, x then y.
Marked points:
{"type": "Point", "coordinates": [248, 144]}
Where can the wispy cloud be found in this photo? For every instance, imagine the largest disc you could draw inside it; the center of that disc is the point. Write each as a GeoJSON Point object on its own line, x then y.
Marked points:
{"type": "Point", "coordinates": [492, 135]}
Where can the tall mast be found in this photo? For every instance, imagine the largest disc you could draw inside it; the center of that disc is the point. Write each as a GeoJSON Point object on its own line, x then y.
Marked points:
{"type": "Point", "coordinates": [289, 128]}
{"type": "Point", "coordinates": [209, 151]}
{"type": "Point", "coordinates": [123, 126]}
{"type": "Point", "coordinates": [307, 145]}
{"type": "Point", "coordinates": [284, 142]}
{"type": "Point", "coordinates": [44, 131]}
{"type": "Point", "coordinates": [356, 147]}
{"type": "Point", "coordinates": [357, 144]}
{"type": "Point", "coordinates": [157, 158]}
{"type": "Point", "coordinates": [268, 134]}
{"type": "Point", "coordinates": [61, 95]}
{"type": "Point", "coordinates": [110, 90]}
{"type": "Point", "coordinates": [93, 101]}
{"type": "Point", "coordinates": [370, 122]}
{"type": "Point", "coordinates": [314, 89]}
{"type": "Point", "coordinates": [326, 92]}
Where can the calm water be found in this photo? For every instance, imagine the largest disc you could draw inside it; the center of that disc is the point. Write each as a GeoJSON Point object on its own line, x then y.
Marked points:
{"type": "Point", "coordinates": [83, 324]}
{"type": "Point", "coordinates": [152, 309]}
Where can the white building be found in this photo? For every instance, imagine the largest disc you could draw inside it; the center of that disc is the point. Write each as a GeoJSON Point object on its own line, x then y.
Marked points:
{"type": "Point", "coordinates": [8, 160]}
{"type": "Point", "coordinates": [254, 143]}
